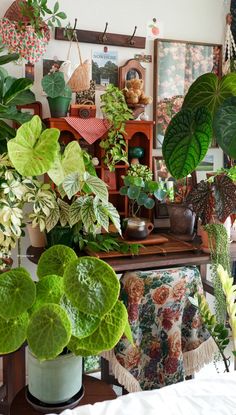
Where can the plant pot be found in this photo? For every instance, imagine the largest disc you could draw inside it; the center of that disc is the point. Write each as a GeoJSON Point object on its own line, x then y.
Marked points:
{"type": "Point", "coordinates": [37, 238]}
{"type": "Point", "coordinates": [137, 228]}
{"type": "Point", "coordinates": [182, 221]}
{"type": "Point", "coordinates": [60, 235]}
{"type": "Point", "coordinates": [59, 106]}
{"type": "Point", "coordinates": [55, 381]}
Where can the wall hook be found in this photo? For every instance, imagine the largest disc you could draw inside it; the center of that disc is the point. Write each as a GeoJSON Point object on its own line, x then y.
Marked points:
{"type": "Point", "coordinates": [131, 40]}
{"type": "Point", "coordinates": [103, 37]}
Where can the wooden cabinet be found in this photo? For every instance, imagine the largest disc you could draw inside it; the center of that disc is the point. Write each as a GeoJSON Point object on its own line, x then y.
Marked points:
{"type": "Point", "coordinates": [138, 133]}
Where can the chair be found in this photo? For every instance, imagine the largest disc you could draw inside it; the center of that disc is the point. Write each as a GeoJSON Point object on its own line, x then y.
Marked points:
{"type": "Point", "coordinates": [170, 342]}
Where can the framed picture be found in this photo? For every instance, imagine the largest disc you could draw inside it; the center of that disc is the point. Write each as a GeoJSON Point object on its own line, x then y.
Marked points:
{"type": "Point", "coordinates": [176, 65]}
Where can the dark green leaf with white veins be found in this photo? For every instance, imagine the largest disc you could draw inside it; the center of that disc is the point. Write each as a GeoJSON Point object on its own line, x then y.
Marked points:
{"type": "Point", "coordinates": [54, 260]}
{"type": "Point", "coordinates": [224, 125]}
{"type": "Point", "coordinates": [17, 292]}
{"type": "Point", "coordinates": [49, 331]}
{"type": "Point", "coordinates": [108, 332]}
{"type": "Point", "coordinates": [83, 324]}
{"type": "Point", "coordinates": [13, 333]}
{"type": "Point", "coordinates": [186, 141]}
{"type": "Point", "coordinates": [91, 285]}
{"type": "Point", "coordinates": [210, 91]}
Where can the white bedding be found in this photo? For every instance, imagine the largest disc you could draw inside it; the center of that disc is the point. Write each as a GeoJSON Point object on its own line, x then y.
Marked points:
{"type": "Point", "coordinates": [212, 396]}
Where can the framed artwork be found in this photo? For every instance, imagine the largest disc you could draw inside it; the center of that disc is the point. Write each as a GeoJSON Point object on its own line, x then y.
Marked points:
{"type": "Point", "coordinates": [177, 64]}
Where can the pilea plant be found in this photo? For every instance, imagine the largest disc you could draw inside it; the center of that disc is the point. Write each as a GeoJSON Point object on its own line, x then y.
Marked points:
{"type": "Point", "coordinates": [116, 111]}
{"type": "Point", "coordinates": [74, 305]}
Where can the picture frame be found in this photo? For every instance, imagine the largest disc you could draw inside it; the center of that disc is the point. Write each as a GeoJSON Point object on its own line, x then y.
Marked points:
{"type": "Point", "coordinates": [33, 109]}
{"type": "Point", "coordinates": [177, 64]}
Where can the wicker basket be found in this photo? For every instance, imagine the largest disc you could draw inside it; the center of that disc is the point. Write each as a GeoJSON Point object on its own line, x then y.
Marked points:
{"type": "Point", "coordinates": [80, 78]}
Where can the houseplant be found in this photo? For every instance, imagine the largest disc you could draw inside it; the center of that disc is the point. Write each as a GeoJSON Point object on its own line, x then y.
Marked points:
{"type": "Point", "coordinates": [73, 308]}
{"type": "Point", "coordinates": [116, 111]}
{"type": "Point", "coordinates": [25, 28]}
{"type": "Point", "coordinates": [140, 189]}
{"type": "Point", "coordinates": [58, 93]}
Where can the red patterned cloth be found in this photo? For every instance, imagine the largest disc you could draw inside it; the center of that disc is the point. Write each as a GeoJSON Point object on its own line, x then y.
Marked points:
{"type": "Point", "coordinates": [91, 129]}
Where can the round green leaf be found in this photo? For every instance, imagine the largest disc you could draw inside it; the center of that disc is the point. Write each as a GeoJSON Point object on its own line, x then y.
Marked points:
{"type": "Point", "coordinates": [143, 197]}
{"type": "Point", "coordinates": [17, 292]}
{"type": "Point", "coordinates": [54, 260]}
{"type": "Point", "coordinates": [73, 346]}
{"type": "Point", "coordinates": [54, 84]}
{"type": "Point", "coordinates": [224, 126]}
{"type": "Point", "coordinates": [186, 141]}
{"type": "Point", "coordinates": [210, 91]}
{"type": "Point", "coordinates": [32, 152]}
{"type": "Point", "coordinates": [49, 331]}
{"type": "Point", "coordinates": [13, 333]}
{"type": "Point", "coordinates": [109, 331]}
{"type": "Point", "coordinates": [149, 204]}
{"type": "Point", "coordinates": [82, 324]}
{"type": "Point", "coordinates": [133, 192]}
{"type": "Point", "coordinates": [91, 285]}
{"type": "Point", "coordinates": [48, 290]}
{"type": "Point", "coordinates": [123, 191]}
{"type": "Point", "coordinates": [152, 186]}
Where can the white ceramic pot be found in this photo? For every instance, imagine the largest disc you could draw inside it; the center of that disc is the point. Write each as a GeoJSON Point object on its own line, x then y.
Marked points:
{"type": "Point", "coordinates": [55, 381]}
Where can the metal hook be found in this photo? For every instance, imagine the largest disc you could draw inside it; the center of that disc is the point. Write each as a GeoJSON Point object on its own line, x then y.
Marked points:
{"type": "Point", "coordinates": [131, 38]}
{"type": "Point", "coordinates": [103, 37]}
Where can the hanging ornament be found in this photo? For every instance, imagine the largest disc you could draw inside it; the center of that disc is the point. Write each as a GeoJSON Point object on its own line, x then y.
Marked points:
{"type": "Point", "coordinates": [229, 49]}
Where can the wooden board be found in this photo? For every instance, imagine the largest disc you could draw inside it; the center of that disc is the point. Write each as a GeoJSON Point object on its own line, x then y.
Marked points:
{"type": "Point", "coordinates": [171, 246]}
{"type": "Point", "coordinates": [153, 239]}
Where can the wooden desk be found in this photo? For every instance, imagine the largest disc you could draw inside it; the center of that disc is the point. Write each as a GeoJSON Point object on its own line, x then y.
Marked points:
{"type": "Point", "coordinates": [95, 391]}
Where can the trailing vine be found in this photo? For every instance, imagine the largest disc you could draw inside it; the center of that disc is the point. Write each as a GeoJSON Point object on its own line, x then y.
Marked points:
{"type": "Point", "coordinates": [219, 251]}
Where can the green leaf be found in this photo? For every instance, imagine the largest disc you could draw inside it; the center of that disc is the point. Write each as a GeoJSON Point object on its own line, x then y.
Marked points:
{"type": "Point", "coordinates": [49, 290]}
{"type": "Point", "coordinates": [133, 192]}
{"type": "Point", "coordinates": [72, 184]}
{"type": "Point", "coordinates": [101, 215]}
{"type": "Point", "coordinates": [225, 196]}
{"type": "Point", "coordinates": [123, 191]}
{"type": "Point", "coordinates": [64, 209]}
{"type": "Point", "coordinates": [23, 98]}
{"type": "Point", "coordinates": [13, 333]}
{"type": "Point", "coordinates": [54, 260]}
{"type": "Point", "coordinates": [18, 86]}
{"type": "Point", "coordinates": [113, 215]}
{"type": "Point", "coordinates": [56, 7]}
{"type": "Point", "coordinates": [224, 125]}
{"type": "Point", "coordinates": [17, 292]}
{"type": "Point", "coordinates": [9, 58]}
{"type": "Point", "coordinates": [83, 324]}
{"type": "Point", "coordinates": [186, 141]}
{"type": "Point", "coordinates": [109, 331]}
{"type": "Point", "coordinates": [150, 203]}
{"type": "Point", "coordinates": [62, 15]}
{"type": "Point", "coordinates": [142, 198]}
{"type": "Point", "coordinates": [54, 84]}
{"type": "Point", "coordinates": [53, 217]}
{"type": "Point", "coordinates": [97, 186]}
{"type": "Point", "coordinates": [32, 152]}
{"type": "Point", "coordinates": [128, 333]}
{"type": "Point", "coordinates": [87, 214]}
{"type": "Point", "coordinates": [210, 91]}
{"type": "Point", "coordinates": [91, 285]}
{"type": "Point", "coordinates": [75, 211]}
{"type": "Point", "coordinates": [49, 331]}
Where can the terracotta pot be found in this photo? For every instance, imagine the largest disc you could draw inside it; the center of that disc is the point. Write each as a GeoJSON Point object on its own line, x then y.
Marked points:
{"type": "Point", "coordinates": [182, 221]}
{"type": "Point", "coordinates": [37, 238]}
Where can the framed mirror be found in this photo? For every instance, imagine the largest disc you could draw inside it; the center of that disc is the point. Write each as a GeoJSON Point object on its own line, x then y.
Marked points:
{"type": "Point", "coordinates": [176, 65]}
{"type": "Point", "coordinates": [130, 70]}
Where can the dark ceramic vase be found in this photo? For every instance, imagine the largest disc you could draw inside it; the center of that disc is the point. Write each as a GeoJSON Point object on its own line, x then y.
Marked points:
{"type": "Point", "coordinates": [182, 221]}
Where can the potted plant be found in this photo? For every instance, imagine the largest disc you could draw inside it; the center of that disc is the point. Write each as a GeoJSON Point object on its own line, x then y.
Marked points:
{"type": "Point", "coordinates": [72, 311]}
{"type": "Point", "coordinates": [25, 28]}
{"type": "Point", "coordinates": [116, 111]}
{"type": "Point", "coordinates": [140, 189]}
{"type": "Point", "coordinates": [58, 93]}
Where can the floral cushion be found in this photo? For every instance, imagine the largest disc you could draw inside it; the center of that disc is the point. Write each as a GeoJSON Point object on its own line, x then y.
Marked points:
{"type": "Point", "coordinates": [164, 323]}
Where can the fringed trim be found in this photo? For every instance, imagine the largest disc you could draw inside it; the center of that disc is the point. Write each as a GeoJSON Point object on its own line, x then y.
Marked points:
{"type": "Point", "coordinates": [195, 359]}
{"type": "Point", "coordinates": [121, 374]}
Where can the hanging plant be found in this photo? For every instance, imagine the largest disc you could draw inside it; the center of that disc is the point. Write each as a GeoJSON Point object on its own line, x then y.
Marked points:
{"type": "Point", "coordinates": [25, 27]}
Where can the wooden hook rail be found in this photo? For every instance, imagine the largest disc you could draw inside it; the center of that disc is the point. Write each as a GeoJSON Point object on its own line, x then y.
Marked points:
{"type": "Point", "coordinates": [104, 38]}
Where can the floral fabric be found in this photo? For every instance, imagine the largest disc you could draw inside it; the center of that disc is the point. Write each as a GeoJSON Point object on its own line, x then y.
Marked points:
{"type": "Point", "coordinates": [164, 324]}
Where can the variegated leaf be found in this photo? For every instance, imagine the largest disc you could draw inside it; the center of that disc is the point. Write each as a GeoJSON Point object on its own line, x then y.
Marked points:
{"type": "Point", "coordinates": [113, 215]}
{"type": "Point", "coordinates": [64, 209]}
{"type": "Point", "coordinates": [87, 214]}
{"type": "Point", "coordinates": [101, 215]}
{"type": "Point", "coordinates": [53, 218]}
{"type": "Point", "coordinates": [202, 201]}
{"type": "Point", "coordinates": [97, 186]}
{"type": "Point", "coordinates": [225, 196]}
{"type": "Point", "coordinates": [75, 211]}
{"type": "Point", "coordinates": [72, 184]}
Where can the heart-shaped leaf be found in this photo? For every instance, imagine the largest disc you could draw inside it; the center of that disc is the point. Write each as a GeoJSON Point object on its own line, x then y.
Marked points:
{"type": "Point", "coordinates": [32, 152]}
{"type": "Point", "coordinates": [224, 126]}
{"type": "Point", "coordinates": [225, 196]}
{"type": "Point", "coordinates": [54, 84]}
{"type": "Point", "coordinates": [49, 331]}
{"type": "Point", "coordinates": [91, 285]}
{"type": "Point", "coordinates": [202, 201]}
{"type": "Point", "coordinates": [186, 141]}
{"type": "Point", "coordinates": [17, 292]}
{"type": "Point", "coordinates": [210, 91]}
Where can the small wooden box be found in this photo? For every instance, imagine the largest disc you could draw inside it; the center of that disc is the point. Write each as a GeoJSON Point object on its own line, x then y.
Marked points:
{"type": "Point", "coordinates": [83, 111]}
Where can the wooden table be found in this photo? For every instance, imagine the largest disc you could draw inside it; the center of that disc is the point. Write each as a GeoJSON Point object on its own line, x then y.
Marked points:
{"type": "Point", "coordinates": [95, 391]}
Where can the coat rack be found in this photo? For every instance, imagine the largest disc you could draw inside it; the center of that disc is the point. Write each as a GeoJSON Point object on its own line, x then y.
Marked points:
{"type": "Point", "coordinates": [103, 38]}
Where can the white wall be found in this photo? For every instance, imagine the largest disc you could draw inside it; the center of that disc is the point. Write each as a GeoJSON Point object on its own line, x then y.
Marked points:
{"type": "Point", "coordinates": [197, 20]}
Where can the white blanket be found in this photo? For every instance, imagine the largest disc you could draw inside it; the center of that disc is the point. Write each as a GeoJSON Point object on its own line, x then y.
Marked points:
{"type": "Point", "coordinates": [211, 396]}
